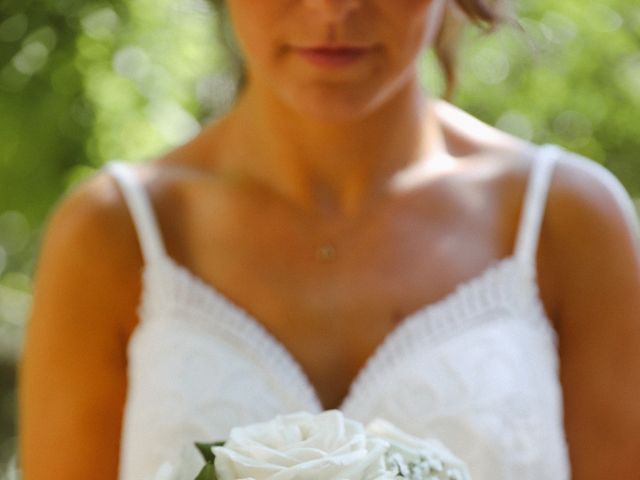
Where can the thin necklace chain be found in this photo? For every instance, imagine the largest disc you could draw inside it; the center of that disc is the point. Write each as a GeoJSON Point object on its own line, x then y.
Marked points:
{"type": "Point", "coordinates": [327, 251]}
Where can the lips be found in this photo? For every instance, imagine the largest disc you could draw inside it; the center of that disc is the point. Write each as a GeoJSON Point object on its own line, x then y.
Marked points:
{"type": "Point", "coordinates": [333, 57]}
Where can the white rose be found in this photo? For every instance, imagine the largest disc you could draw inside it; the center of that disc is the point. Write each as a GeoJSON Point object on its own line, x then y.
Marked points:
{"type": "Point", "coordinates": [302, 446]}
{"type": "Point", "coordinates": [427, 453]}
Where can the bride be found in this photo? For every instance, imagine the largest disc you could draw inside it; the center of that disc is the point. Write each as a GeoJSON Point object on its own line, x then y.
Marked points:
{"type": "Point", "coordinates": [339, 240]}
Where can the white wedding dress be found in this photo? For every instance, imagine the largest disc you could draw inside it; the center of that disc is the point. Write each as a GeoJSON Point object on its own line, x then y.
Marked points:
{"type": "Point", "coordinates": [478, 369]}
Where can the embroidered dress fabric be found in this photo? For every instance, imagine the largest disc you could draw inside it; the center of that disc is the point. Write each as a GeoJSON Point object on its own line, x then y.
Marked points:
{"type": "Point", "coordinates": [477, 370]}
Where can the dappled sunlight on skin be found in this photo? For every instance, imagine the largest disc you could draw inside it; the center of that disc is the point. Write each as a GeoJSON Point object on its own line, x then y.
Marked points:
{"type": "Point", "coordinates": [431, 167]}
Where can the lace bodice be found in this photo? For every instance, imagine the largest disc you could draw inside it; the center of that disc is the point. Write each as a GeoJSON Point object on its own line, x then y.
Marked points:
{"type": "Point", "coordinates": [478, 369]}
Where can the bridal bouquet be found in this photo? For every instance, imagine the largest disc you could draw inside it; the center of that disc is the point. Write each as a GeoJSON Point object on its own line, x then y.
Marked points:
{"type": "Point", "coordinates": [327, 446]}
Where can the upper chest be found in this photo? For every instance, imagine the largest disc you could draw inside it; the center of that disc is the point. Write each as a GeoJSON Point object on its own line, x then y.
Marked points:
{"type": "Point", "coordinates": [408, 252]}
{"type": "Point", "coordinates": [251, 244]}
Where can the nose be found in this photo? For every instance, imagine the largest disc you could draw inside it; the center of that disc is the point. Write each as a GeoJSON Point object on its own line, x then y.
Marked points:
{"type": "Point", "coordinates": [334, 10]}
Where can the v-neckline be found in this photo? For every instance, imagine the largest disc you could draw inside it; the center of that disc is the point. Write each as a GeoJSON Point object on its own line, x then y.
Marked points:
{"type": "Point", "coordinates": [288, 361]}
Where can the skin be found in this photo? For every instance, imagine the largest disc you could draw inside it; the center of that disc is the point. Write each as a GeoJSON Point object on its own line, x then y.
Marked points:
{"type": "Point", "coordinates": [360, 158]}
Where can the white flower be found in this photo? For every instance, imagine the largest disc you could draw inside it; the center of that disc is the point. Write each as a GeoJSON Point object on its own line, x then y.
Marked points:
{"type": "Point", "coordinates": [302, 446]}
{"type": "Point", "coordinates": [425, 458]}
{"type": "Point", "coordinates": [166, 472]}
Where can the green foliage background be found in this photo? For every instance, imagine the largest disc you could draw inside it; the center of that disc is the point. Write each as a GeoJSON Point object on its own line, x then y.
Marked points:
{"type": "Point", "coordinates": [85, 81]}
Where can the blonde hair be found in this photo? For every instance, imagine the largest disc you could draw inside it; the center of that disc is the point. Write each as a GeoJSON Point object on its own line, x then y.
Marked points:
{"type": "Point", "coordinates": [487, 14]}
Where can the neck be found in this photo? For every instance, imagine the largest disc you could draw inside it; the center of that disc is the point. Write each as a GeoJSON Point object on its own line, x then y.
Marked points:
{"type": "Point", "coordinates": [334, 168]}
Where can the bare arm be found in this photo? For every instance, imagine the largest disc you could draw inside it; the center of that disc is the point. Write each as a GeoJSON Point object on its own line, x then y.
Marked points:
{"type": "Point", "coordinates": [72, 377]}
{"type": "Point", "coordinates": [597, 257]}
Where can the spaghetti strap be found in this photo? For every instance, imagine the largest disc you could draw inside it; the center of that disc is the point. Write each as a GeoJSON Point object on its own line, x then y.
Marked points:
{"type": "Point", "coordinates": [533, 208]}
{"type": "Point", "coordinates": [140, 208]}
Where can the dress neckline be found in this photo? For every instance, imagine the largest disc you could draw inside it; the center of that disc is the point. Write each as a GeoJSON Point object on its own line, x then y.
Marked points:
{"type": "Point", "coordinates": [235, 318]}
{"type": "Point", "coordinates": [471, 295]}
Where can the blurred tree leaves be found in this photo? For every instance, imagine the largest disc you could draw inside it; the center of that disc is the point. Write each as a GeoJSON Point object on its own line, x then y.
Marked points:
{"type": "Point", "coordinates": [571, 76]}
{"type": "Point", "coordinates": [82, 82]}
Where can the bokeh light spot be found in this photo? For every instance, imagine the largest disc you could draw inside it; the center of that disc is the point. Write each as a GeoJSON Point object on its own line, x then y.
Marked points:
{"type": "Point", "coordinates": [491, 66]}
{"type": "Point", "coordinates": [627, 76]}
{"type": "Point", "coordinates": [517, 124]}
{"type": "Point", "coordinates": [609, 20]}
{"type": "Point", "coordinates": [101, 24]}
{"type": "Point", "coordinates": [174, 123]}
{"type": "Point", "coordinates": [559, 28]}
{"type": "Point", "coordinates": [132, 63]}
{"type": "Point", "coordinates": [31, 58]}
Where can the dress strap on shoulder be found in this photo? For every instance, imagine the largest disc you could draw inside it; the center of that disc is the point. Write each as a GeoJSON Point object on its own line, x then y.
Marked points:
{"type": "Point", "coordinates": [535, 201]}
{"type": "Point", "coordinates": [140, 208]}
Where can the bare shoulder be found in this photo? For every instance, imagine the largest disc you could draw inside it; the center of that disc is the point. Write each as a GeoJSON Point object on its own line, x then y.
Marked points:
{"type": "Point", "coordinates": [503, 161]}
{"type": "Point", "coordinates": [467, 134]}
{"type": "Point", "coordinates": [595, 238]}
{"type": "Point", "coordinates": [581, 189]}
{"type": "Point", "coordinates": [90, 246]}
{"type": "Point", "coordinates": [93, 216]}
{"type": "Point", "coordinates": [586, 198]}
{"type": "Point", "coordinates": [592, 227]}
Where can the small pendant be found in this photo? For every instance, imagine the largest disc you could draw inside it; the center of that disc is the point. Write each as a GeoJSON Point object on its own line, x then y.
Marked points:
{"type": "Point", "coordinates": [326, 253]}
